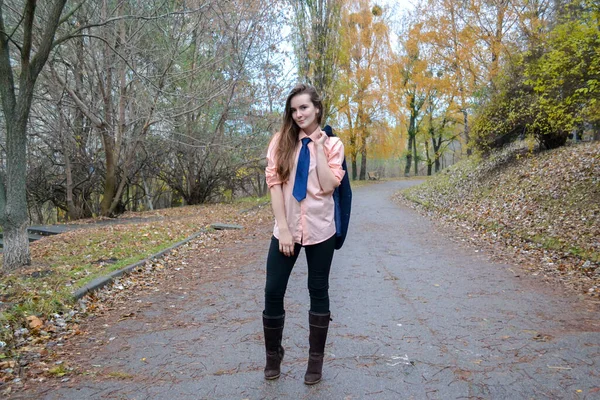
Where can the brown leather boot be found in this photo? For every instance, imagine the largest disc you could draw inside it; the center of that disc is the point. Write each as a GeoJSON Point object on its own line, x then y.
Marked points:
{"type": "Point", "coordinates": [273, 329]}
{"type": "Point", "coordinates": [318, 324]}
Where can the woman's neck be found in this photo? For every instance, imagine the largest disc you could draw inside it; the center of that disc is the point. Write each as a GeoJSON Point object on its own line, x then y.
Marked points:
{"type": "Point", "coordinates": [310, 129]}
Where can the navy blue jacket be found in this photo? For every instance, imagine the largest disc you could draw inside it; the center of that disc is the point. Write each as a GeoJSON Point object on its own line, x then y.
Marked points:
{"type": "Point", "coordinates": [343, 202]}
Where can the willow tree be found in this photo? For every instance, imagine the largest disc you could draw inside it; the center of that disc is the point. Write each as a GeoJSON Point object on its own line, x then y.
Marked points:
{"type": "Point", "coordinates": [316, 41]}
{"type": "Point", "coordinates": [20, 33]}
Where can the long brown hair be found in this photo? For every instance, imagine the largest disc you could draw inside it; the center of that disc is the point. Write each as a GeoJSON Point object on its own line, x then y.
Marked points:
{"type": "Point", "coordinates": [288, 137]}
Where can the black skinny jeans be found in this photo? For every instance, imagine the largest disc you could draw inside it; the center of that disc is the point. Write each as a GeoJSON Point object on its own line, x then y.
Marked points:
{"type": "Point", "coordinates": [279, 268]}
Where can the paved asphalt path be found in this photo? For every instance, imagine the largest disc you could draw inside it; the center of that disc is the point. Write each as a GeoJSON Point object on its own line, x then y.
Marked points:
{"type": "Point", "coordinates": [415, 316]}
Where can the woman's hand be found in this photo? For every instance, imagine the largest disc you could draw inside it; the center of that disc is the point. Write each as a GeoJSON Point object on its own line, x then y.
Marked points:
{"type": "Point", "coordinates": [327, 179]}
{"type": "Point", "coordinates": [322, 138]}
{"type": "Point", "coordinates": [286, 242]}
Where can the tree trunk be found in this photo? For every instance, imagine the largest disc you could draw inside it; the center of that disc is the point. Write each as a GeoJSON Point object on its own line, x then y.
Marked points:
{"type": "Point", "coordinates": [109, 141]}
{"type": "Point", "coordinates": [437, 155]}
{"type": "Point", "coordinates": [429, 161]}
{"type": "Point", "coordinates": [14, 218]}
{"type": "Point", "coordinates": [466, 131]}
{"type": "Point", "coordinates": [363, 159]}
{"type": "Point", "coordinates": [16, 246]}
{"type": "Point", "coordinates": [13, 203]}
{"type": "Point", "coordinates": [265, 188]}
{"type": "Point", "coordinates": [408, 156]}
{"type": "Point", "coordinates": [73, 212]}
{"type": "Point", "coordinates": [495, 46]}
{"type": "Point", "coordinates": [352, 148]}
{"type": "Point", "coordinates": [110, 181]}
{"type": "Point", "coordinates": [119, 191]}
{"type": "Point", "coordinates": [147, 193]}
{"type": "Point", "coordinates": [415, 156]}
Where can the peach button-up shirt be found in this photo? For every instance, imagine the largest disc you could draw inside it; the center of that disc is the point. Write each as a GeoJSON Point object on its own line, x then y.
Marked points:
{"type": "Point", "coordinates": [310, 221]}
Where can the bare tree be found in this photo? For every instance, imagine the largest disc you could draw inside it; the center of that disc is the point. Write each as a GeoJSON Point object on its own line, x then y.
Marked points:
{"type": "Point", "coordinates": [142, 105]}
{"type": "Point", "coordinates": [210, 134]}
{"type": "Point", "coordinates": [19, 36]}
{"type": "Point", "coordinates": [126, 69]}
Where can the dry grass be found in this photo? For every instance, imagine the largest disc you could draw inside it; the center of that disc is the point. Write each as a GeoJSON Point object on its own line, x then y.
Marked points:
{"type": "Point", "coordinates": [544, 203]}
{"type": "Point", "coordinates": [63, 263]}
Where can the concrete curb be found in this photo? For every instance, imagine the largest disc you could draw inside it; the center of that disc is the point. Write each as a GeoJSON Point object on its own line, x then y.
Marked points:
{"type": "Point", "coordinates": [99, 283]}
{"type": "Point", "coordinates": [255, 207]}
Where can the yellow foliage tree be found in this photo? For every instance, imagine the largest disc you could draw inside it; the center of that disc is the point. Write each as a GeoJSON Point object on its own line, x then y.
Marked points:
{"type": "Point", "coordinates": [409, 80]}
{"type": "Point", "coordinates": [364, 51]}
{"type": "Point", "coordinates": [472, 39]}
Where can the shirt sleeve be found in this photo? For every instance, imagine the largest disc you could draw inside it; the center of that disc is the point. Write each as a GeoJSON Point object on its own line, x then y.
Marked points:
{"type": "Point", "coordinates": [271, 175]}
{"type": "Point", "coordinates": [335, 157]}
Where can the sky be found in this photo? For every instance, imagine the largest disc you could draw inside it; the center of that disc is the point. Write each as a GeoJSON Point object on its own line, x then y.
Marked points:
{"type": "Point", "coordinates": [397, 8]}
{"type": "Point", "coordinates": [400, 4]}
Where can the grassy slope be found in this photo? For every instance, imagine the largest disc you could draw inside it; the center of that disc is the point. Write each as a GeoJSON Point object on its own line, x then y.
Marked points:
{"type": "Point", "coordinates": [549, 202]}
{"type": "Point", "coordinates": [63, 263]}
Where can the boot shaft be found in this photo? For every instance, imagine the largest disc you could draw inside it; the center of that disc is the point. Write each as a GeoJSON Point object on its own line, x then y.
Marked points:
{"type": "Point", "coordinates": [273, 330]}
{"type": "Point", "coordinates": [318, 326]}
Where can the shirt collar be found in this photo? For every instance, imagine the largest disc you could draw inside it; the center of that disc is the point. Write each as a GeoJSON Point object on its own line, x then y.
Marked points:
{"type": "Point", "coordinates": [313, 136]}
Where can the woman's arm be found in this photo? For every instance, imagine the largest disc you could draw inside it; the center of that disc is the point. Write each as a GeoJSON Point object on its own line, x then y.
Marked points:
{"type": "Point", "coordinates": [327, 178]}
{"type": "Point", "coordinates": [286, 242]}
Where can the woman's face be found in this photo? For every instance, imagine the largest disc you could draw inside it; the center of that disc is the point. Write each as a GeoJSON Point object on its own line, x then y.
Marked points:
{"type": "Point", "coordinates": [304, 112]}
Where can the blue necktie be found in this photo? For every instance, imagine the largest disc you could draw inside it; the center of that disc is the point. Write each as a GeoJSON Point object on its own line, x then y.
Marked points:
{"type": "Point", "coordinates": [299, 191]}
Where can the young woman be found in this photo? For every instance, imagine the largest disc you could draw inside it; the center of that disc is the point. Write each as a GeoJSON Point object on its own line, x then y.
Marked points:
{"type": "Point", "coordinates": [304, 166]}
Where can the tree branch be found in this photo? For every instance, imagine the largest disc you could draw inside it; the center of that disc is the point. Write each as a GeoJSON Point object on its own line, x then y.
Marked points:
{"type": "Point", "coordinates": [119, 18]}
{"type": "Point", "coordinates": [7, 85]}
{"type": "Point", "coordinates": [14, 30]}
{"type": "Point", "coordinates": [48, 36]}
{"type": "Point", "coordinates": [10, 39]}
{"type": "Point", "coordinates": [97, 121]}
{"type": "Point", "coordinates": [27, 34]}
{"type": "Point", "coordinates": [70, 13]}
